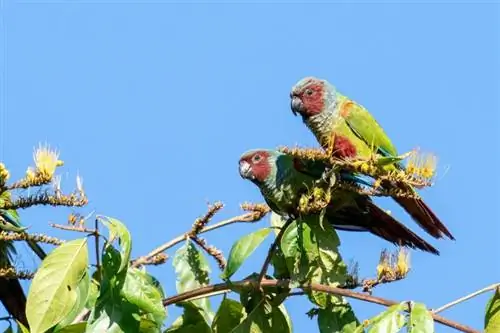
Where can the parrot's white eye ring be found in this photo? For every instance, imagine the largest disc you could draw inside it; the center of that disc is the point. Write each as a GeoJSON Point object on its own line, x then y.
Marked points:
{"type": "Point", "coordinates": [309, 92]}
{"type": "Point", "coordinates": [256, 158]}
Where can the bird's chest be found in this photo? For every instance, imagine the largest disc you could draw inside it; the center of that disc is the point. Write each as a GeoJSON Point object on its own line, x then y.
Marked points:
{"type": "Point", "coordinates": [283, 196]}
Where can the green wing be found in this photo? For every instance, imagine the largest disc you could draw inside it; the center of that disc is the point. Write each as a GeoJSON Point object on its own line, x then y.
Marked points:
{"type": "Point", "coordinates": [365, 127]}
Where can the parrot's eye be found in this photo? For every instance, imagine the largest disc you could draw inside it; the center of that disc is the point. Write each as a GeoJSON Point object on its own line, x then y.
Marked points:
{"type": "Point", "coordinates": [256, 158]}
{"type": "Point", "coordinates": [309, 92]}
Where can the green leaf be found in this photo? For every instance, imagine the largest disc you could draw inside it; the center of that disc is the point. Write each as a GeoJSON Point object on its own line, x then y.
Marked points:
{"type": "Point", "coordinates": [93, 294]}
{"type": "Point", "coordinates": [118, 230]}
{"type": "Point", "coordinates": [420, 319]}
{"type": "Point", "coordinates": [228, 316]}
{"type": "Point", "coordinates": [139, 289]}
{"type": "Point", "coordinates": [329, 269]}
{"type": "Point", "coordinates": [389, 321]}
{"type": "Point", "coordinates": [82, 294]}
{"type": "Point", "coordinates": [382, 161]}
{"type": "Point", "coordinates": [149, 326]}
{"type": "Point", "coordinates": [112, 313]}
{"type": "Point", "coordinates": [277, 221]}
{"type": "Point", "coordinates": [265, 318]}
{"type": "Point", "coordinates": [298, 251]}
{"type": "Point", "coordinates": [192, 272]}
{"type": "Point", "coordinates": [21, 328]}
{"type": "Point", "coordinates": [9, 329]}
{"type": "Point", "coordinates": [337, 318]}
{"type": "Point", "coordinates": [492, 318]}
{"type": "Point", "coordinates": [191, 321]}
{"type": "Point", "coordinates": [75, 328]}
{"type": "Point", "coordinates": [53, 292]}
{"type": "Point", "coordinates": [242, 249]}
{"type": "Point", "coordinates": [114, 316]}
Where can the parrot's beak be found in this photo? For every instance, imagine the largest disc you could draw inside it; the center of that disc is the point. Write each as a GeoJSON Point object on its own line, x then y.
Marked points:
{"type": "Point", "coordinates": [297, 105]}
{"type": "Point", "coordinates": [246, 170]}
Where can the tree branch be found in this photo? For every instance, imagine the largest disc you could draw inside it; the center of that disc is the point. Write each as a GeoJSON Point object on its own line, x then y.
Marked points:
{"type": "Point", "coordinates": [272, 249]}
{"type": "Point", "coordinates": [266, 283]}
{"type": "Point", "coordinates": [249, 217]}
{"type": "Point", "coordinates": [465, 298]}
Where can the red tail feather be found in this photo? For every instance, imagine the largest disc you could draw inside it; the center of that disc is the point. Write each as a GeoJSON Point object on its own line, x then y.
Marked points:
{"type": "Point", "coordinates": [424, 216]}
{"type": "Point", "coordinates": [388, 228]}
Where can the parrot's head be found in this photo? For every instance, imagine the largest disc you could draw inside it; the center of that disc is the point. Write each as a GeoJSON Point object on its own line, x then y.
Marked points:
{"type": "Point", "coordinates": [310, 96]}
{"type": "Point", "coordinates": [256, 165]}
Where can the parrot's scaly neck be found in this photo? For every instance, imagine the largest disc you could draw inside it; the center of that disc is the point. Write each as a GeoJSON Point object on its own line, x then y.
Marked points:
{"type": "Point", "coordinates": [322, 125]}
{"type": "Point", "coordinates": [278, 179]}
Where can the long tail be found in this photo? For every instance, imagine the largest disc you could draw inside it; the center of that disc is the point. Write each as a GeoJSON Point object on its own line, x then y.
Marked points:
{"type": "Point", "coordinates": [388, 228]}
{"type": "Point", "coordinates": [424, 216]}
{"type": "Point", "coordinates": [13, 299]}
{"type": "Point", "coordinates": [368, 217]}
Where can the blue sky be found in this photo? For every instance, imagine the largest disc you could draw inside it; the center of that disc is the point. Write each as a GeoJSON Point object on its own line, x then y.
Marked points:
{"type": "Point", "coordinates": [154, 103]}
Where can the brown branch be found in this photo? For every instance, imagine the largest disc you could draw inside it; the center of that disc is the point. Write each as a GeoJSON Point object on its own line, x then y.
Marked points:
{"type": "Point", "coordinates": [266, 283]}
{"type": "Point", "coordinates": [96, 240]}
{"type": "Point", "coordinates": [272, 249]}
{"type": "Point", "coordinates": [250, 217]}
{"type": "Point", "coordinates": [74, 228]}
{"type": "Point", "coordinates": [211, 251]}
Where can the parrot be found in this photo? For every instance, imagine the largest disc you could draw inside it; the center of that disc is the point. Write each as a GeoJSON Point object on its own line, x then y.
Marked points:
{"type": "Point", "coordinates": [346, 127]}
{"type": "Point", "coordinates": [11, 293]}
{"type": "Point", "coordinates": [282, 179]}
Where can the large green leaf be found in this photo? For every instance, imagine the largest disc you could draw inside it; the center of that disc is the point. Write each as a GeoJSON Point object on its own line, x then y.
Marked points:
{"type": "Point", "coordinates": [112, 313]}
{"type": "Point", "coordinates": [420, 319]}
{"type": "Point", "coordinates": [328, 269]}
{"type": "Point", "coordinates": [337, 318]}
{"type": "Point", "coordinates": [149, 326]}
{"type": "Point", "coordinates": [229, 315]}
{"type": "Point", "coordinates": [139, 289]}
{"type": "Point", "coordinates": [114, 316]}
{"type": "Point", "coordinates": [492, 318]}
{"type": "Point", "coordinates": [192, 271]}
{"type": "Point", "coordinates": [311, 254]}
{"type": "Point", "coordinates": [298, 251]}
{"type": "Point", "coordinates": [75, 328]}
{"type": "Point", "coordinates": [191, 321]}
{"type": "Point", "coordinates": [242, 249]}
{"type": "Point", "coordinates": [53, 292]}
{"type": "Point", "coordinates": [265, 318]}
{"type": "Point", "coordinates": [389, 321]}
{"type": "Point", "coordinates": [82, 294]}
{"type": "Point", "coordinates": [118, 230]}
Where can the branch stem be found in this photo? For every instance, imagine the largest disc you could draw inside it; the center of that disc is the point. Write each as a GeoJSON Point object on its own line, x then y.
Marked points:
{"type": "Point", "coordinates": [244, 218]}
{"type": "Point", "coordinates": [467, 297]}
{"type": "Point", "coordinates": [272, 249]}
{"type": "Point", "coordinates": [267, 283]}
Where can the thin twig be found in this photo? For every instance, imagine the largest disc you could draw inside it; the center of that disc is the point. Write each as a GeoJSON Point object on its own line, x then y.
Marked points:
{"type": "Point", "coordinates": [73, 228]}
{"type": "Point", "coordinates": [272, 249]}
{"type": "Point", "coordinates": [267, 283]}
{"type": "Point", "coordinates": [244, 218]}
{"type": "Point", "coordinates": [96, 238]}
{"type": "Point", "coordinates": [467, 297]}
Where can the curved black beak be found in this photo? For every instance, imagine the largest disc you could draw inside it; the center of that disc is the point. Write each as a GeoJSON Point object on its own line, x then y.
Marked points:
{"type": "Point", "coordinates": [296, 105]}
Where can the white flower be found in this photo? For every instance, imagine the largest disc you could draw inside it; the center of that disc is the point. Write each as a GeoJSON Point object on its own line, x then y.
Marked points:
{"type": "Point", "coordinates": [46, 160]}
{"type": "Point", "coordinates": [79, 183]}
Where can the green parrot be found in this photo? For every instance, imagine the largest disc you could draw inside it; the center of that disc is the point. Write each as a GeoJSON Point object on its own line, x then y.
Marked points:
{"type": "Point", "coordinates": [282, 179]}
{"type": "Point", "coordinates": [346, 129]}
{"type": "Point", "coordinates": [11, 293]}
